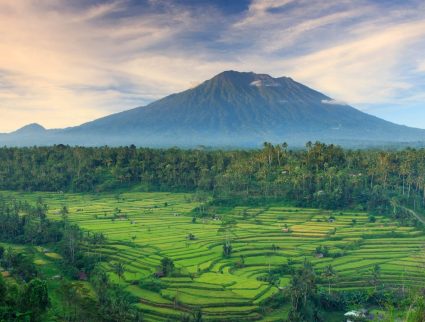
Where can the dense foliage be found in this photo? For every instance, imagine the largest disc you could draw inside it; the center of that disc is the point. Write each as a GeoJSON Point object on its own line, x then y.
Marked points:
{"type": "Point", "coordinates": [324, 176]}
{"type": "Point", "coordinates": [28, 299]}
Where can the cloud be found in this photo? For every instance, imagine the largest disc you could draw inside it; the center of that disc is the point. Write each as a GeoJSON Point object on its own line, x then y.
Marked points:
{"type": "Point", "coordinates": [333, 102]}
{"type": "Point", "coordinates": [63, 63]}
{"type": "Point", "coordinates": [265, 82]}
{"type": "Point", "coordinates": [421, 66]}
{"type": "Point", "coordinates": [280, 25]}
{"type": "Point", "coordinates": [369, 69]}
{"type": "Point", "coordinates": [102, 9]}
{"type": "Point", "coordinates": [258, 9]}
{"type": "Point", "coordinates": [349, 50]}
{"type": "Point", "coordinates": [53, 57]}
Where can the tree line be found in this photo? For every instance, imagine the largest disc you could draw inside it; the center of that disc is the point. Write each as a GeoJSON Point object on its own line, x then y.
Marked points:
{"type": "Point", "coordinates": [323, 176]}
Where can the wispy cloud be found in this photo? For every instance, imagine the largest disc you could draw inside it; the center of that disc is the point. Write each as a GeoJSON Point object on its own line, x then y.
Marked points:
{"type": "Point", "coordinates": [421, 66]}
{"type": "Point", "coordinates": [49, 52]}
{"type": "Point", "coordinates": [333, 102]}
{"type": "Point", "coordinates": [371, 69]}
{"type": "Point", "coordinates": [63, 63]}
{"type": "Point", "coordinates": [350, 50]}
{"type": "Point", "coordinates": [102, 9]}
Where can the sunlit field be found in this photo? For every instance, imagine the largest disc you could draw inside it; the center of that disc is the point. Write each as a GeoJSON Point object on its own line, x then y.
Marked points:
{"type": "Point", "coordinates": [142, 228]}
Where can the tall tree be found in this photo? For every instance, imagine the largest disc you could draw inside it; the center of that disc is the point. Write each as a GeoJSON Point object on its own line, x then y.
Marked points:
{"type": "Point", "coordinates": [119, 269]}
{"type": "Point", "coordinates": [329, 273]}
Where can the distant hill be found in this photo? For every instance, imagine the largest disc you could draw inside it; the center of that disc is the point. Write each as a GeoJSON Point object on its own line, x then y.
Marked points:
{"type": "Point", "coordinates": [232, 109]}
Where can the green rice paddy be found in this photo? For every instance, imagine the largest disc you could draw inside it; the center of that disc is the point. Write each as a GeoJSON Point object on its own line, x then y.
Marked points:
{"type": "Point", "coordinates": [154, 225]}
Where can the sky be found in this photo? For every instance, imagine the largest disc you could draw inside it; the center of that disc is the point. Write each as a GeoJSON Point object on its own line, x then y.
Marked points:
{"type": "Point", "coordinates": [63, 63]}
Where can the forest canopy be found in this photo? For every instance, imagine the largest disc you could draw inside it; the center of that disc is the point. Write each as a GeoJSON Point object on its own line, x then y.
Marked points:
{"type": "Point", "coordinates": [325, 176]}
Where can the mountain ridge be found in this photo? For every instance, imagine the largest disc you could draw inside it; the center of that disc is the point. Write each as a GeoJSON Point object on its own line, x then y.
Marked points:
{"type": "Point", "coordinates": [238, 109]}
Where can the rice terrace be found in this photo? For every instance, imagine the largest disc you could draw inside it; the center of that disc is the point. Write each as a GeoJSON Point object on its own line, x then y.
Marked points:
{"type": "Point", "coordinates": [141, 229]}
{"type": "Point", "coordinates": [212, 161]}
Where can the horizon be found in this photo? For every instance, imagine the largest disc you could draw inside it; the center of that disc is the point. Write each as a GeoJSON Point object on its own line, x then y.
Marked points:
{"type": "Point", "coordinates": [65, 64]}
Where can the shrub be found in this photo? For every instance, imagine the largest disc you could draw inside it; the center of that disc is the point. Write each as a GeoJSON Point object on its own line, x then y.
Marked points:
{"type": "Point", "coordinates": [152, 284]}
{"type": "Point", "coordinates": [372, 218]}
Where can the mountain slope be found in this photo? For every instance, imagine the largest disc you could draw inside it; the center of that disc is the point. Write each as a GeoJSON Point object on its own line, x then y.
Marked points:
{"type": "Point", "coordinates": [238, 109]}
{"type": "Point", "coordinates": [30, 129]}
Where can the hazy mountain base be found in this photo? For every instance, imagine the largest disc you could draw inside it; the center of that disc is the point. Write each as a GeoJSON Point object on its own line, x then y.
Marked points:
{"type": "Point", "coordinates": [195, 140]}
{"type": "Point", "coordinates": [230, 110]}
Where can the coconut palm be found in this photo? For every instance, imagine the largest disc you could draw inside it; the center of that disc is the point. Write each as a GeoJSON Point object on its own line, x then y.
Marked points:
{"type": "Point", "coordinates": [119, 269]}
{"type": "Point", "coordinates": [329, 273]}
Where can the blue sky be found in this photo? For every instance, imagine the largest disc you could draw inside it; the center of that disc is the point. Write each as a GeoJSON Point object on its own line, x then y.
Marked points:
{"type": "Point", "coordinates": [63, 62]}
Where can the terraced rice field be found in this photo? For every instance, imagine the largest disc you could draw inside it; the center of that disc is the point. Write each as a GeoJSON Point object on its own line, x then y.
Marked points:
{"type": "Point", "coordinates": [157, 225]}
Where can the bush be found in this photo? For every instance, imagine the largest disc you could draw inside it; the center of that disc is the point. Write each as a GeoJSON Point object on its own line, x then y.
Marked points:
{"type": "Point", "coordinates": [372, 218]}
{"type": "Point", "coordinates": [152, 284]}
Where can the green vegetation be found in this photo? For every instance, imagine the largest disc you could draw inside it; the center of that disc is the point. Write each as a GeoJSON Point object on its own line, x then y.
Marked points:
{"type": "Point", "coordinates": [267, 234]}
{"type": "Point", "coordinates": [171, 275]}
{"type": "Point", "coordinates": [321, 176]}
{"type": "Point", "coordinates": [42, 285]}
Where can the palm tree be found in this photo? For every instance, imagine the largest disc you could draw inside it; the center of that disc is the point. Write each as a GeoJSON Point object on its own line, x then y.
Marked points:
{"type": "Point", "coordinates": [197, 316]}
{"type": "Point", "coordinates": [268, 149]}
{"type": "Point", "coordinates": [97, 239]}
{"type": "Point", "coordinates": [394, 204]}
{"type": "Point", "coordinates": [119, 269]}
{"type": "Point", "coordinates": [376, 275]}
{"type": "Point", "coordinates": [329, 273]}
{"type": "Point", "coordinates": [64, 213]}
